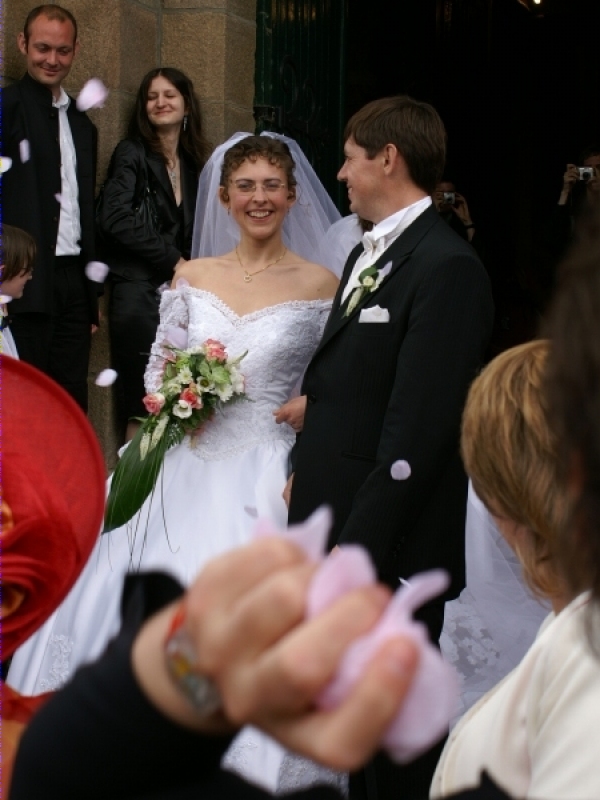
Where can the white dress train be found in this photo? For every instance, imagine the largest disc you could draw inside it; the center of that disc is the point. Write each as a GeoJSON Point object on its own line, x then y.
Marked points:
{"type": "Point", "coordinates": [490, 627]}
{"type": "Point", "coordinates": [207, 499]}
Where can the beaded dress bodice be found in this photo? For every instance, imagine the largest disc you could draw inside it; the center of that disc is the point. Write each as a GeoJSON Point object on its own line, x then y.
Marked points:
{"type": "Point", "coordinates": [278, 341]}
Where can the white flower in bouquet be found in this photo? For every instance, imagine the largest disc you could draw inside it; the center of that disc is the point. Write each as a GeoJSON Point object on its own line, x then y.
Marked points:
{"type": "Point", "coordinates": [182, 409]}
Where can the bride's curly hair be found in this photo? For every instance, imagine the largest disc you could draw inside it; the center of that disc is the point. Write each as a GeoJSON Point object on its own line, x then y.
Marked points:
{"type": "Point", "coordinates": [252, 148]}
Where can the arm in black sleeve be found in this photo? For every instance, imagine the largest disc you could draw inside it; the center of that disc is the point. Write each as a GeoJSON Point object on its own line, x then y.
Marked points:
{"type": "Point", "coordinates": [99, 737]}
{"type": "Point", "coordinates": [118, 220]}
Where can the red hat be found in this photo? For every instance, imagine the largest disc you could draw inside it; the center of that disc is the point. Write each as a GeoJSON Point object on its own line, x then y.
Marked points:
{"type": "Point", "coordinates": [53, 495]}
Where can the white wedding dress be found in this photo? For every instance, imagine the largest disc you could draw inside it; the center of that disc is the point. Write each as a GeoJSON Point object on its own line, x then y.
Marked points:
{"type": "Point", "coordinates": [208, 496]}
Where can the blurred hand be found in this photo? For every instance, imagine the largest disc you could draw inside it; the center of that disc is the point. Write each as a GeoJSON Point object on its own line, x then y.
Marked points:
{"type": "Point", "coordinates": [570, 178]}
{"type": "Point", "coordinates": [292, 412]}
{"type": "Point", "coordinates": [461, 209]}
{"type": "Point", "coordinates": [287, 490]}
{"type": "Point", "coordinates": [245, 615]}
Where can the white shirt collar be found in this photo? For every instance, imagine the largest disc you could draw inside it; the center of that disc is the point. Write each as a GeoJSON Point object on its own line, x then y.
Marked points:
{"type": "Point", "coordinates": [378, 240]}
{"type": "Point", "coordinates": [63, 101]}
{"type": "Point", "coordinates": [391, 227]}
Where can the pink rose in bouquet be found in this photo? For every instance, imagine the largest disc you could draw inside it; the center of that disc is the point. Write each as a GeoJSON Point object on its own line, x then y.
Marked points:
{"type": "Point", "coordinates": [190, 396]}
{"type": "Point", "coordinates": [154, 403]}
{"type": "Point", "coordinates": [214, 349]}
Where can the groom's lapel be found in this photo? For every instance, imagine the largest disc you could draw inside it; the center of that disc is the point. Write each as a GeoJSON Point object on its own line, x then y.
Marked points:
{"type": "Point", "coordinates": [336, 309]}
{"type": "Point", "coordinates": [398, 253]}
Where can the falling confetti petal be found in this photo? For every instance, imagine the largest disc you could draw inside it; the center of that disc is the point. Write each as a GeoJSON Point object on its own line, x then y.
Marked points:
{"type": "Point", "coordinates": [93, 95]}
{"type": "Point", "coordinates": [96, 271]}
{"type": "Point", "coordinates": [58, 198]}
{"type": "Point", "coordinates": [106, 378]}
{"type": "Point", "coordinates": [400, 470]}
{"type": "Point", "coordinates": [4, 299]}
{"type": "Point", "coordinates": [24, 150]}
{"type": "Point", "coordinates": [5, 164]}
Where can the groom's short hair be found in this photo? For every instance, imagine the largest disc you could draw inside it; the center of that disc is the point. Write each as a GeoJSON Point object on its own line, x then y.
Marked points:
{"type": "Point", "coordinates": [416, 130]}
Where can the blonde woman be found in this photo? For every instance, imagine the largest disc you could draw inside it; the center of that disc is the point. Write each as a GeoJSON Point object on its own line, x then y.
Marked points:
{"type": "Point", "coordinates": [534, 732]}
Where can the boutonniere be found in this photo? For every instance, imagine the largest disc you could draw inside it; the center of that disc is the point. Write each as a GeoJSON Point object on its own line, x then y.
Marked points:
{"type": "Point", "coordinates": [369, 280]}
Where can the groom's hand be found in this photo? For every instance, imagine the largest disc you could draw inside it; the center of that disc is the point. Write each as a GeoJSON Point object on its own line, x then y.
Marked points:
{"type": "Point", "coordinates": [292, 412]}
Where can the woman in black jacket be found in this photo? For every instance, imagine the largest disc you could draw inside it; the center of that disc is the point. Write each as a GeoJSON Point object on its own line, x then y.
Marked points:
{"type": "Point", "coordinates": [145, 220]}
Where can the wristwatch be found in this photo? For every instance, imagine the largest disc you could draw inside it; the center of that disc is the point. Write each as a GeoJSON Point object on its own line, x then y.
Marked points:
{"type": "Point", "coordinates": [181, 663]}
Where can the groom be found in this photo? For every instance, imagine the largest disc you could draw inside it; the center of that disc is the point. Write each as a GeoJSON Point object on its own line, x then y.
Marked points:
{"type": "Point", "coordinates": [387, 384]}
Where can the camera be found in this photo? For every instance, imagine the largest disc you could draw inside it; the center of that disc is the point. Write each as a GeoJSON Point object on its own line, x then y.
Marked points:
{"type": "Point", "coordinates": [585, 173]}
{"type": "Point", "coordinates": [449, 198]}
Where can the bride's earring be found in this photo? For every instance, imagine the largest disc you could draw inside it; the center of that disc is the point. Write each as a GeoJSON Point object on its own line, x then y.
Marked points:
{"type": "Point", "coordinates": [185, 117]}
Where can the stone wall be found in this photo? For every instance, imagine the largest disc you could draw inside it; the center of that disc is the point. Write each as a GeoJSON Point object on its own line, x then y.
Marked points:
{"type": "Point", "coordinates": [212, 41]}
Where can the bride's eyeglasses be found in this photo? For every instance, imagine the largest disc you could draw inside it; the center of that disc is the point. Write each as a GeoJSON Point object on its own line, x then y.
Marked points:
{"type": "Point", "coordinates": [249, 187]}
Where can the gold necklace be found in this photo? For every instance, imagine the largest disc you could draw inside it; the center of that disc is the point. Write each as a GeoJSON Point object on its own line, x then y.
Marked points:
{"type": "Point", "coordinates": [249, 275]}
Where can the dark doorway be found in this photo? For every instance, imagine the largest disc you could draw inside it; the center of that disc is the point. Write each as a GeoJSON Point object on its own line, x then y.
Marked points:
{"type": "Point", "coordinates": [517, 84]}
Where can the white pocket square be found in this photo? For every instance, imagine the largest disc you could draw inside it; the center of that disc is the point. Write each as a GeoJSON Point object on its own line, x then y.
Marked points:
{"type": "Point", "coordinates": [374, 314]}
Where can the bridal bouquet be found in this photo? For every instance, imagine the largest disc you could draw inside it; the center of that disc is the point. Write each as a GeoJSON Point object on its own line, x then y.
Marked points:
{"type": "Point", "coordinates": [196, 382]}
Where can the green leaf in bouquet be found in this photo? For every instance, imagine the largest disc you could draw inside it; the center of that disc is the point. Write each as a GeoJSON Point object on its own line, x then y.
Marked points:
{"type": "Point", "coordinates": [220, 375]}
{"type": "Point", "coordinates": [133, 480]}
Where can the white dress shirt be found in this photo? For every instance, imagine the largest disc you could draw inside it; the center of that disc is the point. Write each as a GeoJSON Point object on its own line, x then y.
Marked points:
{"type": "Point", "coordinates": [69, 224]}
{"type": "Point", "coordinates": [378, 240]}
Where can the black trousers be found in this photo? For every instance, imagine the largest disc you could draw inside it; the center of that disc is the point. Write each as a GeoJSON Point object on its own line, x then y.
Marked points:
{"type": "Point", "coordinates": [59, 343]}
{"type": "Point", "coordinates": [132, 321]}
{"type": "Point", "coordinates": [382, 778]}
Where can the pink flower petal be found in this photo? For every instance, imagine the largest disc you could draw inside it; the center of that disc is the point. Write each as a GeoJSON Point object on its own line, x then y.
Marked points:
{"type": "Point", "coordinates": [93, 95]}
{"type": "Point", "coordinates": [431, 700]}
{"type": "Point", "coordinates": [310, 536]}
{"type": "Point", "coordinates": [5, 164]}
{"type": "Point", "coordinates": [176, 337]}
{"type": "Point", "coordinates": [4, 299]}
{"type": "Point", "coordinates": [400, 470]}
{"type": "Point", "coordinates": [348, 568]}
{"type": "Point", "coordinates": [24, 150]}
{"type": "Point", "coordinates": [106, 378]}
{"type": "Point", "coordinates": [58, 198]}
{"type": "Point", "coordinates": [96, 271]}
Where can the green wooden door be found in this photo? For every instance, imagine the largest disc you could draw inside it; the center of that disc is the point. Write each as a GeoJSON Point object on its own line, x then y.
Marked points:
{"type": "Point", "coordinates": [300, 78]}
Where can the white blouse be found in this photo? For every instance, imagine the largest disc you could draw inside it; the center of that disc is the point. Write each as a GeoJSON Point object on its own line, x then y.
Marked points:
{"type": "Point", "coordinates": [537, 732]}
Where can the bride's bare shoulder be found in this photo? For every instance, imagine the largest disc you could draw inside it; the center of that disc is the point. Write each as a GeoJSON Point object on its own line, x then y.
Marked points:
{"type": "Point", "coordinates": [196, 269]}
{"type": "Point", "coordinates": [320, 279]}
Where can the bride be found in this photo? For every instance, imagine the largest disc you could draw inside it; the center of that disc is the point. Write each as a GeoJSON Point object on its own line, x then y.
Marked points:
{"type": "Point", "coordinates": [260, 297]}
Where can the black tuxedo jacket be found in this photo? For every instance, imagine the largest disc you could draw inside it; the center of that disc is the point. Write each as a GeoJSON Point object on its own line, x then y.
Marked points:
{"type": "Point", "coordinates": [135, 250]}
{"type": "Point", "coordinates": [380, 392]}
{"type": "Point", "coordinates": [29, 189]}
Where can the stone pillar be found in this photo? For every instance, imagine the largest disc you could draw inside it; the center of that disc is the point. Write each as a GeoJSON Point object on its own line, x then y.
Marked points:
{"type": "Point", "coordinates": [212, 41]}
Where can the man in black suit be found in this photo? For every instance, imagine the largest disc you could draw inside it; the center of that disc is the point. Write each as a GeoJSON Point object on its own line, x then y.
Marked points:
{"type": "Point", "coordinates": [406, 336]}
{"type": "Point", "coordinates": [49, 192]}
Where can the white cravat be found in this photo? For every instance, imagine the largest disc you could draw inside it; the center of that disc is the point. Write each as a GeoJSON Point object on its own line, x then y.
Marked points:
{"type": "Point", "coordinates": [69, 224]}
{"type": "Point", "coordinates": [378, 240]}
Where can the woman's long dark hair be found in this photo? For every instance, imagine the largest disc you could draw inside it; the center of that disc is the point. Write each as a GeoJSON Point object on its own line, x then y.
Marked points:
{"type": "Point", "coordinates": [192, 139]}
